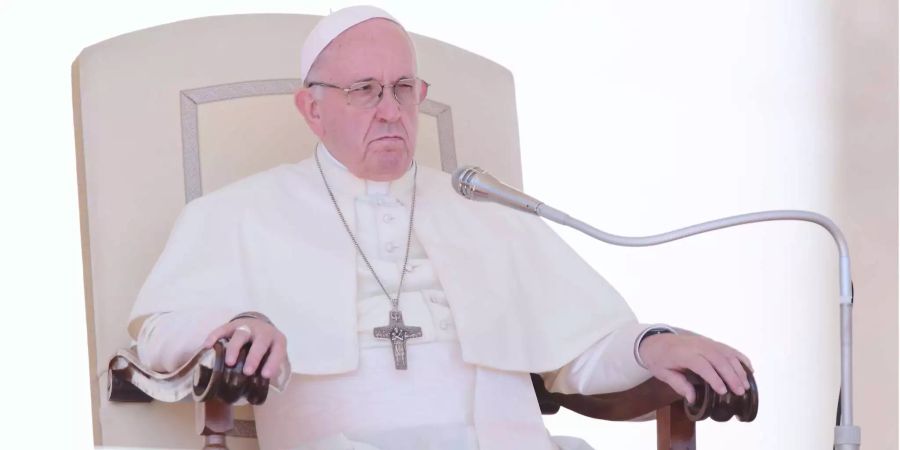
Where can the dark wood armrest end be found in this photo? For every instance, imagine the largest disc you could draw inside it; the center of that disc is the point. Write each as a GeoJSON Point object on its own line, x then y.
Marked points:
{"type": "Point", "coordinates": [204, 377]}
{"type": "Point", "coordinates": [653, 395]}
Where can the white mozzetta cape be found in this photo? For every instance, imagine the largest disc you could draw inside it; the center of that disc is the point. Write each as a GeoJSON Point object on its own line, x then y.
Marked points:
{"type": "Point", "coordinates": [521, 298]}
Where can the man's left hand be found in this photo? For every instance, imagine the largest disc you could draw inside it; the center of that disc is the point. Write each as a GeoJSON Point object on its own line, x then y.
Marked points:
{"type": "Point", "coordinates": [667, 355]}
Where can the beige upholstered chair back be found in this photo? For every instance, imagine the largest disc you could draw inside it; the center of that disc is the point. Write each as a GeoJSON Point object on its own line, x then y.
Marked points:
{"type": "Point", "coordinates": [168, 113]}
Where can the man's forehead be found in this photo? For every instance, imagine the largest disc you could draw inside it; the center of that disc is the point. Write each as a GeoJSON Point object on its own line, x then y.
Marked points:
{"type": "Point", "coordinates": [333, 26]}
{"type": "Point", "coordinates": [374, 50]}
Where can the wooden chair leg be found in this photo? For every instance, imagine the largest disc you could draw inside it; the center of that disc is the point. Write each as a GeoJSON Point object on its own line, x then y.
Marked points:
{"type": "Point", "coordinates": [674, 431]}
{"type": "Point", "coordinates": [214, 418]}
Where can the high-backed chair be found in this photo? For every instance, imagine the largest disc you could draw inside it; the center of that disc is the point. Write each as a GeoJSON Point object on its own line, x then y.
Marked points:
{"type": "Point", "coordinates": [165, 114]}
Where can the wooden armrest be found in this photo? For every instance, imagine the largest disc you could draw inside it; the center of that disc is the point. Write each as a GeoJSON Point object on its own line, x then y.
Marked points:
{"type": "Point", "coordinates": [653, 395]}
{"type": "Point", "coordinates": [675, 420]}
{"type": "Point", "coordinates": [204, 377]}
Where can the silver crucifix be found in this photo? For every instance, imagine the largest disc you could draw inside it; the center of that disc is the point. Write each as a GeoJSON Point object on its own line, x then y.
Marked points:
{"type": "Point", "coordinates": [398, 333]}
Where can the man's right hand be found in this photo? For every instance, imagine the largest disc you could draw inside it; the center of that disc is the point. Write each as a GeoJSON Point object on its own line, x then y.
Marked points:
{"type": "Point", "coordinates": [265, 338]}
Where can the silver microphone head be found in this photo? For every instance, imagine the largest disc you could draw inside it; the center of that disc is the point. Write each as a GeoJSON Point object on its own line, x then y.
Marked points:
{"type": "Point", "coordinates": [475, 183]}
{"type": "Point", "coordinates": [463, 180]}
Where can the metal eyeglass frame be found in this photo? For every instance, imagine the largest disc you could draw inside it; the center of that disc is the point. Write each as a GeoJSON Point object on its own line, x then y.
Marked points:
{"type": "Point", "coordinates": [359, 84]}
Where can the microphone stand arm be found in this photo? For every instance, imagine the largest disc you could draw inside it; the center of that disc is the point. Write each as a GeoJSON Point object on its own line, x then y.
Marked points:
{"type": "Point", "coordinates": [846, 435]}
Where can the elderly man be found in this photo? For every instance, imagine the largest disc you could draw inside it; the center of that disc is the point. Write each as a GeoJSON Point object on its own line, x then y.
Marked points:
{"type": "Point", "coordinates": [342, 272]}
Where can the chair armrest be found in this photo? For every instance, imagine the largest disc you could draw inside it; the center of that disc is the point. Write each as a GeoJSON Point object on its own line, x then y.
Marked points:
{"type": "Point", "coordinates": [653, 395]}
{"type": "Point", "coordinates": [204, 377]}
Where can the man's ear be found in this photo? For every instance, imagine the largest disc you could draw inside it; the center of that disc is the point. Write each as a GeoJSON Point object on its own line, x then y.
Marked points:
{"type": "Point", "coordinates": [309, 108]}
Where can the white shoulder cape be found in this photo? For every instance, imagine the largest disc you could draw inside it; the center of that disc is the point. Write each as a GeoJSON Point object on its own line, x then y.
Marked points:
{"type": "Point", "coordinates": [521, 298]}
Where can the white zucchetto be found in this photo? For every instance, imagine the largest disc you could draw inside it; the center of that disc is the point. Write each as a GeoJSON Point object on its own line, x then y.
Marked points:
{"type": "Point", "coordinates": [332, 25]}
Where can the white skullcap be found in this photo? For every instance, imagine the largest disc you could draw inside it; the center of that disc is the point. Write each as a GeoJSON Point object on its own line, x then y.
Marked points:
{"type": "Point", "coordinates": [330, 26]}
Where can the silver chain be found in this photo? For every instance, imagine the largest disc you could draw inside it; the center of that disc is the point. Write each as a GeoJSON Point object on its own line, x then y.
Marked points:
{"type": "Point", "coordinates": [395, 302]}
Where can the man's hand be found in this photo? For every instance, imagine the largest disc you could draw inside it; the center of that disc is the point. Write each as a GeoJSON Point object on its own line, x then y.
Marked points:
{"type": "Point", "coordinates": [666, 355]}
{"type": "Point", "coordinates": [265, 338]}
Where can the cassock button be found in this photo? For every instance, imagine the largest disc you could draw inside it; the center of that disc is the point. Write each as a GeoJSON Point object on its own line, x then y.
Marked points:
{"type": "Point", "coordinates": [390, 247]}
{"type": "Point", "coordinates": [387, 218]}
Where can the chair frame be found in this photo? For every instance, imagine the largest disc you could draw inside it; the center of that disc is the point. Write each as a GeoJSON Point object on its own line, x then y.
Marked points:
{"type": "Point", "coordinates": [215, 387]}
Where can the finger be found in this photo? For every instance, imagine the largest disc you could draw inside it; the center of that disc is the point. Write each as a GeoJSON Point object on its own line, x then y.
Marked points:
{"type": "Point", "coordinates": [702, 367]}
{"type": "Point", "coordinates": [727, 350]}
{"type": "Point", "coordinates": [238, 338]}
{"type": "Point", "coordinates": [218, 333]}
{"type": "Point", "coordinates": [277, 354]}
{"type": "Point", "coordinates": [254, 356]}
{"type": "Point", "coordinates": [726, 372]}
{"type": "Point", "coordinates": [739, 369]}
{"type": "Point", "coordinates": [744, 359]}
{"type": "Point", "coordinates": [679, 383]}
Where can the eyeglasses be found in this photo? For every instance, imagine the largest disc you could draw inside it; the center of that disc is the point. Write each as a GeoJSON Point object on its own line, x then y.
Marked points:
{"type": "Point", "coordinates": [367, 94]}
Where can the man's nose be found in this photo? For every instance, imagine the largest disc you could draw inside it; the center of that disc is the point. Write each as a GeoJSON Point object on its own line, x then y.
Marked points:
{"type": "Point", "coordinates": [388, 109]}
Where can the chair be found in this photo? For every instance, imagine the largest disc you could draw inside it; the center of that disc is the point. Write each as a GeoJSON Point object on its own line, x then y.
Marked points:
{"type": "Point", "coordinates": [164, 114]}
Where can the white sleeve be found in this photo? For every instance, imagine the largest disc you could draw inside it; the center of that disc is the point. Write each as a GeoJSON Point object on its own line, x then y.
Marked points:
{"type": "Point", "coordinates": [168, 340]}
{"type": "Point", "coordinates": [610, 365]}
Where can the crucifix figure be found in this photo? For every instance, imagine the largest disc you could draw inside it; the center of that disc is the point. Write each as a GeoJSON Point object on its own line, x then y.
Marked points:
{"type": "Point", "coordinates": [398, 333]}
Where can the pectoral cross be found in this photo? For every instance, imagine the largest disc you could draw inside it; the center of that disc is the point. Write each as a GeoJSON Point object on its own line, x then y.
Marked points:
{"type": "Point", "coordinates": [398, 333]}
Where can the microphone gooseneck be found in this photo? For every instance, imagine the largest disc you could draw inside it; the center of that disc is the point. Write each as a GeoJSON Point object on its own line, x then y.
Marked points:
{"type": "Point", "coordinates": [475, 183]}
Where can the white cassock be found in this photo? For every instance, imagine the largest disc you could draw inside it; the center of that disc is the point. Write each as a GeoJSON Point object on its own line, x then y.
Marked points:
{"type": "Point", "coordinates": [496, 292]}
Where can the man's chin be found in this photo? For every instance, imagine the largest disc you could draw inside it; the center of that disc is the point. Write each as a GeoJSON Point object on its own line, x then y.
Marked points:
{"type": "Point", "coordinates": [382, 152]}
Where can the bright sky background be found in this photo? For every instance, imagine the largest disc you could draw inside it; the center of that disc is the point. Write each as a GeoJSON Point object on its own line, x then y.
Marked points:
{"type": "Point", "coordinates": [638, 117]}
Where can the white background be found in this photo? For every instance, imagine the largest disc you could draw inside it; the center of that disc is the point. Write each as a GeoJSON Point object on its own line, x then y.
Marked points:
{"type": "Point", "coordinates": [638, 117]}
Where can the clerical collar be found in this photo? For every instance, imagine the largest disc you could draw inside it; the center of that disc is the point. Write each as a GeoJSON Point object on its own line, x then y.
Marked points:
{"type": "Point", "coordinates": [346, 182]}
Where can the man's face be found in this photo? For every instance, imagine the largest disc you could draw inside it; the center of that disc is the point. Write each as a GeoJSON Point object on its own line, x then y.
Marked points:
{"type": "Point", "coordinates": [375, 143]}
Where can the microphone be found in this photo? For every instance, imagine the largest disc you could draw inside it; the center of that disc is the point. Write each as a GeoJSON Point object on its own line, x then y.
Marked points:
{"type": "Point", "coordinates": [476, 184]}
